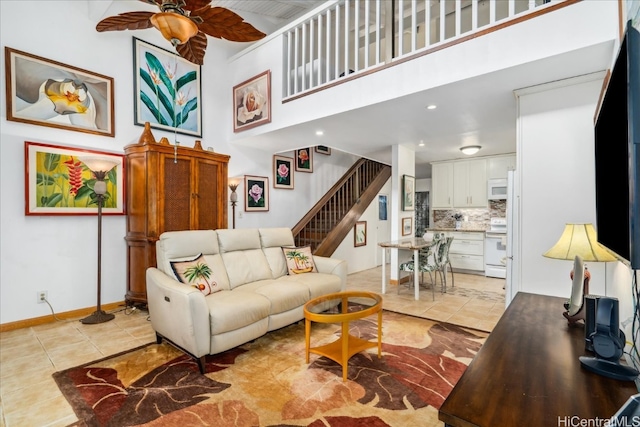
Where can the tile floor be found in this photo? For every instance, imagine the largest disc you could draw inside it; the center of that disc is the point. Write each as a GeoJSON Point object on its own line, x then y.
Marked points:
{"type": "Point", "coordinates": [29, 397]}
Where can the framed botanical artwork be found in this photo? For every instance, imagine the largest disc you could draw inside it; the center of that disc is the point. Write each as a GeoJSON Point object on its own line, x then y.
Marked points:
{"type": "Point", "coordinates": [252, 102]}
{"type": "Point", "coordinates": [282, 172]}
{"type": "Point", "coordinates": [304, 160]}
{"type": "Point", "coordinates": [408, 193]}
{"type": "Point", "coordinates": [256, 197]}
{"type": "Point", "coordinates": [58, 182]}
{"type": "Point", "coordinates": [322, 149]}
{"type": "Point", "coordinates": [44, 92]}
{"type": "Point", "coordinates": [382, 207]}
{"type": "Point", "coordinates": [167, 90]}
{"type": "Point", "coordinates": [406, 226]}
{"type": "Point", "coordinates": [360, 234]}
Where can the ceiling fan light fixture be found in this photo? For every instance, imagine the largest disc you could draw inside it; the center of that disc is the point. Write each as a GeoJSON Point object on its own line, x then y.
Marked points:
{"type": "Point", "coordinates": [470, 149]}
{"type": "Point", "coordinates": [176, 28]}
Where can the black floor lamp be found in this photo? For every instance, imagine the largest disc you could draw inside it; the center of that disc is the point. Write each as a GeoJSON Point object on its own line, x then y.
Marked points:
{"type": "Point", "coordinates": [99, 167]}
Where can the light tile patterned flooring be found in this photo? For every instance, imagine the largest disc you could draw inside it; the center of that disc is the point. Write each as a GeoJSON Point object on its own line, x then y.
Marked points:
{"type": "Point", "coordinates": [29, 396]}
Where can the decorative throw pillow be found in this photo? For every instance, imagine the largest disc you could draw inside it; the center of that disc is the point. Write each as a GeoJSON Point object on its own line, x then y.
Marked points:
{"type": "Point", "coordinates": [197, 273]}
{"type": "Point", "coordinates": [299, 260]}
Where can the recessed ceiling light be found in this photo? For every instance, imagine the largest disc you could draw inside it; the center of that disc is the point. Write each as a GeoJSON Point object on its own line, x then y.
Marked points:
{"type": "Point", "coordinates": [319, 132]}
{"type": "Point", "coordinates": [431, 107]}
{"type": "Point", "coordinates": [421, 144]}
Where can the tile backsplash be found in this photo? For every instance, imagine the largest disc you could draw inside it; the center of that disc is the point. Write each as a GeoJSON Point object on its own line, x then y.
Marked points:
{"type": "Point", "coordinates": [475, 218]}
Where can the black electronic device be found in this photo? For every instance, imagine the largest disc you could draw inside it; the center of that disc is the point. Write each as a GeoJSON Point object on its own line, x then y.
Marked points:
{"type": "Point", "coordinates": [617, 154]}
{"type": "Point", "coordinates": [608, 343]}
{"type": "Point", "coordinates": [590, 305]}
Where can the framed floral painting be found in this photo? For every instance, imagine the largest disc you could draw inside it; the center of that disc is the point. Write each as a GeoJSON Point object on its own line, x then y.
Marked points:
{"type": "Point", "coordinates": [59, 183]}
{"type": "Point", "coordinates": [167, 90]}
{"type": "Point", "coordinates": [304, 160]}
{"type": "Point", "coordinates": [408, 193]}
{"type": "Point", "coordinates": [252, 102]}
{"type": "Point", "coordinates": [256, 198]}
{"type": "Point", "coordinates": [282, 172]}
{"type": "Point", "coordinates": [323, 149]}
{"type": "Point", "coordinates": [49, 93]}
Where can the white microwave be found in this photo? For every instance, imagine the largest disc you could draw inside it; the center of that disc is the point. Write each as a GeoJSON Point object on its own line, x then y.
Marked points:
{"type": "Point", "coordinates": [497, 189]}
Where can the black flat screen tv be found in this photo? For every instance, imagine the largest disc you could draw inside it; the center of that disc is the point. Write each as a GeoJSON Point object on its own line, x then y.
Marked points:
{"type": "Point", "coordinates": [617, 155]}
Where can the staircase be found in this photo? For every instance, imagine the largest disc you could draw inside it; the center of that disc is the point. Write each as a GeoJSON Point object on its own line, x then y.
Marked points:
{"type": "Point", "coordinates": [326, 225]}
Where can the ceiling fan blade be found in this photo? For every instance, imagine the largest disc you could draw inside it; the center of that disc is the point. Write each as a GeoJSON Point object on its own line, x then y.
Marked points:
{"type": "Point", "coordinates": [126, 21]}
{"type": "Point", "coordinates": [192, 5]}
{"type": "Point", "coordinates": [225, 24]}
{"type": "Point", "coordinates": [193, 49]}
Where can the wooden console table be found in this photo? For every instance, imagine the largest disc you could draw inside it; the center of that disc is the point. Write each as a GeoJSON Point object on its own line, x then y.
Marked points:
{"type": "Point", "coordinates": [528, 373]}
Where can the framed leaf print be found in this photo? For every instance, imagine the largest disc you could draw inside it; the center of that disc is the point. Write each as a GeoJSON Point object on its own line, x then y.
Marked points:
{"type": "Point", "coordinates": [59, 183]}
{"type": "Point", "coordinates": [406, 226]}
{"type": "Point", "coordinates": [49, 93]}
{"type": "Point", "coordinates": [282, 172]}
{"type": "Point", "coordinates": [256, 197]}
{"type": "Point", "coordinates": [304, 160]}
{"type": "Point", "coordinates": [408, 193]}
{"type": "Point", "coordinates": [167, 90]}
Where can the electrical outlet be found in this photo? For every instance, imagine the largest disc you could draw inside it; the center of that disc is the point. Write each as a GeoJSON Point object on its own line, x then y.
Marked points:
{"type": "Point", "coordinates": [42, 296]}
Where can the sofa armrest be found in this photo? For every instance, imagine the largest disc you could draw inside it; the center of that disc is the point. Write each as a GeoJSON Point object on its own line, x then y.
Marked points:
{"type": "Point", "coordinates": [178, 312]}
{"type": "Point", "coordinates": [332, 266]}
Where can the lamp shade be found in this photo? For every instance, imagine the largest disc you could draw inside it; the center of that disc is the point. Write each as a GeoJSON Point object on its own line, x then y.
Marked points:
{"type": "Point", "coordinates": [470, 149]}
{"type": "Point", "coordinates": [174, 27]}
{"type": "Point", "coordinates": [98, 164]}
{"type": "Point", "coordinates": [581, 240]}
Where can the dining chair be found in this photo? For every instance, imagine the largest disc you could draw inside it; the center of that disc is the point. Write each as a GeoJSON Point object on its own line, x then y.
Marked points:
{"type": "Point", "coordinates": [445, 261]}
{"type": "Point", "coordinates": [426, 264]}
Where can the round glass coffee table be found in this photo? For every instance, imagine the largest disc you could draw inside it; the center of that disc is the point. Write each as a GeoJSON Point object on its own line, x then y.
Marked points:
{"type": "Point", "coordinates": [342, 307]}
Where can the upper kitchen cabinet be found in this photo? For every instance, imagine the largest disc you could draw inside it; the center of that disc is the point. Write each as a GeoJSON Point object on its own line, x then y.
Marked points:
{"type": "Point", "coordinates": [442, 185]}
{"type": "Point", "coordinates": [469, 184]}
{"type": "Point", "coordinates": [499, 166]}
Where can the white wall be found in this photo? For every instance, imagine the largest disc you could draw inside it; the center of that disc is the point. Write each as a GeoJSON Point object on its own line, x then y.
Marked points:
{"type": "Point", "coordinates": [557, 185]}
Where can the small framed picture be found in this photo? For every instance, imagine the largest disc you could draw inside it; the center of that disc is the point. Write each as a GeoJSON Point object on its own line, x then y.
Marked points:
{"type": "Point", "coordinates": [304, 160]}
{"type": "Point", "coordinates": [256, 197]}
{"type": "Point", "coordinates": [382, 207]}
{"type": "Point", "coordinates": [360, 234]}
{"type": "Point", "coordinates": [252, 102]}
{"type": "Point", "coordinates": [323, 149]}
{"type": "Point", "coordinates": [282, 172]}
{"type": "Point", "coordinates": [408, 193]}
{"type": "Point", "coordinates": [406, 226]}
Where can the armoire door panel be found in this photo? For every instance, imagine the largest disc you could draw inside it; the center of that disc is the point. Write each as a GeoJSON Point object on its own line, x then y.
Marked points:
{"type": "Point", "coordinates": [177, 194]}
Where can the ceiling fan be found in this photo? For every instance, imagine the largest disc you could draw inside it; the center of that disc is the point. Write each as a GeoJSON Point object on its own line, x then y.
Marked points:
{"type": "Point", "coordinates": [186, 24]}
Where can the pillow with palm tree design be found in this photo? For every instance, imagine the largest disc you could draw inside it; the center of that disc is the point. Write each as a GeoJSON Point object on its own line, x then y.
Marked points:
{"type": "Point", "coordinates": [196, 273]}
{"type": "Point", "coordinates": [299, 260]}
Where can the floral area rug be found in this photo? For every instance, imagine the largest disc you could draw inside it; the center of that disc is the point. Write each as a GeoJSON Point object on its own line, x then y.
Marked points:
{"type": "Point", "coordinates": [267, 383]}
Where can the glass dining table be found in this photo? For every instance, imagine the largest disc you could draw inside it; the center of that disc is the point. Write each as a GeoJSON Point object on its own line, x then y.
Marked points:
{"type": "Point", "coordinates": [412, 244]}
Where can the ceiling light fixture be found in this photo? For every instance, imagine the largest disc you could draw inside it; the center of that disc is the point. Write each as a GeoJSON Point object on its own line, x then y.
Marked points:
{"type": "Point", "coordinates": [431, 107]}
{"type": "Point", "coordinates": [470, 149]}
{"type": "Point", "coordinates": [421, 144]}
{"type": "Point", "coordinates": [319, 133]}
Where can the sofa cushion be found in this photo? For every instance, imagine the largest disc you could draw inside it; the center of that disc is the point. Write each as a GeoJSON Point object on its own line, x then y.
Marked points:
{"type": "Point", "coordinates": [231, 310]}
{"type": "Point", "coordinates": [180, 245]}
{"type": "Point", "coordinates": [319, 284]}
{"type": "Point", "coordinates": [197, 273]}
{"type": "Point", "coordinates": [284, 296]}
{"type": "Point", "coordinates": [299, 260]}
{"type": "Point", "coordinates": [243, 257]}
{"type": "Point", "coordinates": [273, 239]}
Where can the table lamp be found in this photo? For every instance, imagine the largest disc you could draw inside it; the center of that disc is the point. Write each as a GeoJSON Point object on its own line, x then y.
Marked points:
{"type": "Point", "coordinates": [578, 243]}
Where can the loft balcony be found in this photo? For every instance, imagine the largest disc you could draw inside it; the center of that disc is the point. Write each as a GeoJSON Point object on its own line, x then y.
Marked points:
{"type": "Point", "coordinates": [364, 70]}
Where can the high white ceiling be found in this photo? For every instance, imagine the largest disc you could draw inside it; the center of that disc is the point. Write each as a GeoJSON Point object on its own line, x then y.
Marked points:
{"type": "Point", "coordinates": [478, 111]}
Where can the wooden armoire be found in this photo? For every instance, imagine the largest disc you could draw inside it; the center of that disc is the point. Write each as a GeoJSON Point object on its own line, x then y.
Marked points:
{"type": "Point", "coordinates": [168, 188]}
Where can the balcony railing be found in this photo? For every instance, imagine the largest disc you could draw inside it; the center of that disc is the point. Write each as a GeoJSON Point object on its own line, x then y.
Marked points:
{"type": "Point", "coordinates": [355, 36]}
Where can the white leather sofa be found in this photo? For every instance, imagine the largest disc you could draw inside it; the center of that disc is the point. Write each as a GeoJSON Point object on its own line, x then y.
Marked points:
{"type": "Point", "coordinates": [258, 295]}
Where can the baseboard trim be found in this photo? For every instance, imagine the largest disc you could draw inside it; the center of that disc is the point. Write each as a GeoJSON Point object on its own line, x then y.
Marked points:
{"type": "Point", "coordinates": [74, 314]}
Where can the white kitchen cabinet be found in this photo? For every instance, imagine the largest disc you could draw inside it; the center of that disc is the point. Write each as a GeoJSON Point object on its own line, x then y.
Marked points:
{"type": "Point", "coordinates": [442, 185]}
{"type": "Point", "coordinates": [499, 166]}
{"type": "Point", "coordinates": [470, 184]}
{"type": "Point", "coordinates": [467, 250]}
